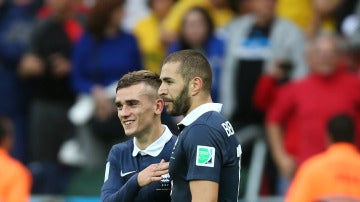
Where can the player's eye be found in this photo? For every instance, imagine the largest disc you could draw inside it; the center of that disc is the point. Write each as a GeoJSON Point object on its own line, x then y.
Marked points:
{"type": "Point", "coordinates": [119, 106]}
{"type": "Point", "coordinates": [133, 103]}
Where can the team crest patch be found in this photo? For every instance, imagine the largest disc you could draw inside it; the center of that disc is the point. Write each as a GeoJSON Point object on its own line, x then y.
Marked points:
{"type": "Point", "coordinates": [205, 156]}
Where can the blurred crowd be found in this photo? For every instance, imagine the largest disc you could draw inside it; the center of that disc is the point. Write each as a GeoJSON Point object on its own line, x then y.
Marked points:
{"type": "Point", "coordinates": [281, 68]}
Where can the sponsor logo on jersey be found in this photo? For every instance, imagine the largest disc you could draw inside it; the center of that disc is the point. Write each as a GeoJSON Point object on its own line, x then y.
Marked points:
{"type": "Point", "coordinates": [205, 156]}
{"type": "Point", "coordinates": [165, 183]}
{"type": "Point", "coordinates": [165, 178]}
{"type": "Point", "coordinates": [127, 173]}
{"type": "Point", "coordinates": [228, 128]}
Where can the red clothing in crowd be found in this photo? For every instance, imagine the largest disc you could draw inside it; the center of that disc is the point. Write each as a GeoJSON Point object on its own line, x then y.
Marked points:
{"type": "Point", "coordinates": [309, 103]}
{"type": "Point", "coordinates": [265, 91]}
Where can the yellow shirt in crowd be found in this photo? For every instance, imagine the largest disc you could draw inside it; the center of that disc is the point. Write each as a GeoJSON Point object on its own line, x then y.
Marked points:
{"type": "Point", "coordinates": [220, 17]}
{"type": "Point", "coordinates": [147, 32]}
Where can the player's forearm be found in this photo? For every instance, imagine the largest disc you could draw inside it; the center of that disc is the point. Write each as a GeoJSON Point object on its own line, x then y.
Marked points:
{"type": "Point", "coordinates": [126, 193]}
{"type": "Point", "coordinates": [204, 191]}
{"type": "Point", "coordinates": [275, 137]}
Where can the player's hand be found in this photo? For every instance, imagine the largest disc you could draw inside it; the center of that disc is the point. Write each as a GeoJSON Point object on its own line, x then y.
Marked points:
{"type": "Point", "coordinates": [153, 173]}
{"type": "Point", "coordinates": [286, 166]}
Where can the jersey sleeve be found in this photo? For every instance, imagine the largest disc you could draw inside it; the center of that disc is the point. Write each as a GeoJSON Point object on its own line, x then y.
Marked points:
{"type": "Point", "coordinates": [114, 187]}
{"type": "Point", "coordinates": [203, 154]}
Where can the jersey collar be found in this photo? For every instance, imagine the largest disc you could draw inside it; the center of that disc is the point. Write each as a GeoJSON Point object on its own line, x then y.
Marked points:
{"type": "Point", "coordinates": [198, 111]}
{"type": "Point", "coordinates": [156, 147]}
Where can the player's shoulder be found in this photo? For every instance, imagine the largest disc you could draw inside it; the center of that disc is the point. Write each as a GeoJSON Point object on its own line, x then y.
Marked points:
{"type": "Point", "coordinates": [122, 147]}
{"type": "Point", "coordinates": [211, 121]}
{"type": "Point", "coordinates": [211, 117]}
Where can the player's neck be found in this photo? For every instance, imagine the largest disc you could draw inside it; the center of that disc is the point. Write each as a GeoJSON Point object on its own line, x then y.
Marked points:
{"type": "Point", "coordinates": [150, 136]}
{"type": "Point", "coordinates": [197, 101]}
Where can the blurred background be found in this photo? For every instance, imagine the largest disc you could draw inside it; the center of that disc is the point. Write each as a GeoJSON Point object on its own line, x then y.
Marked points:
{"type": "Point", "coordinates": [60, 61]}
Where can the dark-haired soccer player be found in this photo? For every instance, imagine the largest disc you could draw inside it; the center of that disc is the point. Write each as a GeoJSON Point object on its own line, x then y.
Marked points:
{"type": "Point", "coordinates": [137, 170]}
{"type": "Point", "coordinates": [205, 163]}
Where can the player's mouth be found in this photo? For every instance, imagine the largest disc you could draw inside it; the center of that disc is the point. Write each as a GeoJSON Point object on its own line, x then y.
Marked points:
{"type": "Point", "coordinates": [128, 123]}
{"type": "Point", "coordinates": [167, 101]}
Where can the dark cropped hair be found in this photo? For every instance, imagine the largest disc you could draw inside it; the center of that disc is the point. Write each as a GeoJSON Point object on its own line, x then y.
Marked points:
{"type": "Point", "coordinates": [100, 15]}
{"type": "Point", "coordinates": [209, 24]}
{"type": "Point", "coordinates": [341, 128]}
{"type": "Point", "coordinates": [192, 64]}
{"type": "Point", "coordinates": [148, 77]}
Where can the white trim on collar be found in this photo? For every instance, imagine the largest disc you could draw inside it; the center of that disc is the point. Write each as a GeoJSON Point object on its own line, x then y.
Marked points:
{"type": "Point", "coordinates": [200, 110]}
{"type": "Point", "coordinates": [155, 148]}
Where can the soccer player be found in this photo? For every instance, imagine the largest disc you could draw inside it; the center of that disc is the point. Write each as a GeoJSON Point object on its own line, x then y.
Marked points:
{"type": "Point", "coordinates": [205, 163]}
{"type": "Point", "coordinates": [137, 170]}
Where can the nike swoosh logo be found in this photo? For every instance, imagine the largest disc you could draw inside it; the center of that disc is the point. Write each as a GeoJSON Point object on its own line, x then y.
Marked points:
{"type": "Point", "coordinates": [127, 173]}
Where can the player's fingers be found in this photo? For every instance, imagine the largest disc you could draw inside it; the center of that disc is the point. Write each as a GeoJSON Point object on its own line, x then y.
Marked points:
{"type": "Point", "coordinates": [155, 179]}
{"type": "Point", "coordinates": [162, 166]}
{"type": "Point", "coordinates": [161, 172]}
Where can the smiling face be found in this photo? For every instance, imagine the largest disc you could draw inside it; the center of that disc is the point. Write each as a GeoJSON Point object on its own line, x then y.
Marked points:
{"type": "Point", "coordinates": [137, 107]}
{"type": "Point", "coordinates": [173, 90]}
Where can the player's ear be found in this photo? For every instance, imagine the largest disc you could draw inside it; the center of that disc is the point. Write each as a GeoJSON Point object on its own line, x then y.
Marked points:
{"type": "Point", "coordinates": [159, 106]}
{"type": "Point", "coordinates": [196, 85]}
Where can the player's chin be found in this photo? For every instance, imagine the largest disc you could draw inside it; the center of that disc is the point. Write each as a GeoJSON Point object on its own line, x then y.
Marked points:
{"type": "Point", "coordinates": [169, 107]}
{"type": "Point", "coordinates": [129, 132]}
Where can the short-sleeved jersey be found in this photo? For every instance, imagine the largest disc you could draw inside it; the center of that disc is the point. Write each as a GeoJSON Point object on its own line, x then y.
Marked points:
{"type": "Point", "coordinates": [122, 170]}
{"type": "Point", "coordinates": [206, 150]}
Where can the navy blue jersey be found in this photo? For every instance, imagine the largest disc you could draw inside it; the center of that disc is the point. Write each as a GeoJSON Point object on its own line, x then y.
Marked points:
{"type": "Point", "coordinates": [206, 149]}
{"type": "Point", "coordinates": [122, 170]}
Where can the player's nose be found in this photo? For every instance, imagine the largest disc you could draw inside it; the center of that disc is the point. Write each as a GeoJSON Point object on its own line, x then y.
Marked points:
{"type": "Point", "coordinates": [162, 90]}
{"type": "Point", "coordinates": [124, 111]}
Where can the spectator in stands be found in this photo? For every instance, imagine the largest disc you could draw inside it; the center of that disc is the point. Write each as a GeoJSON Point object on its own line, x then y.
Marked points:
{"type": "Point", "coordinates": [220, 11]}
{"type": "Point", "coordinates": [253, 41]}
{"type": "Point", "coordinates": [299, 12]}
{"type": "Point", "coordinates": [147, 32]}
{"type": "Point", "coordinates": [48, 66]}
{"type": "Point", "coordinates": [332, 175]}
{"type": "Point", "coordinates": [310, 102]}
{"type": "Point", "coordinates": [103, 54]}
{"type": "Point", "coordinates": [197, 32]}
{"type": "Point", "coordinates": [81, 10]}
{"type": "Point", "coordinates": [316, 16]}
{"type": "Point", "coordinates": [350, 28]}
{"type": "Point", "coordinates": [15, 178]}
{"type": "Point", "coordinates": [270, 84]}
{"type": "Point", "coordinates": [328, 15]}
{"type": "Point", "coordinates": [15, 29]}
